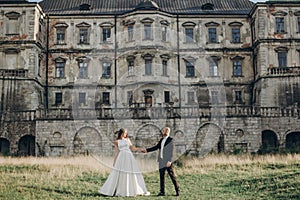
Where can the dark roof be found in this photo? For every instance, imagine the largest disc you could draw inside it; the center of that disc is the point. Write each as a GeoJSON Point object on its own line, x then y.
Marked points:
{"type": "Point", "coordinates": [72, 7]}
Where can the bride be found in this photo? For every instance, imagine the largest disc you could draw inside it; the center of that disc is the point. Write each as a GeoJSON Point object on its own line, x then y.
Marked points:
{"type": "Point", "coordinates": [125, 178]}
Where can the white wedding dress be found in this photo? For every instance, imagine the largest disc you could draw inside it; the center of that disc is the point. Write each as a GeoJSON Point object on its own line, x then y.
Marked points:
{"type": "Point", "coordinates": [125, 178]}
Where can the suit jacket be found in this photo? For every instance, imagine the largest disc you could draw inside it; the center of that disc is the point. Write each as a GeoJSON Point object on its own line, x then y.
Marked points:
{"type": "Point", "coordinates": [168, 151]}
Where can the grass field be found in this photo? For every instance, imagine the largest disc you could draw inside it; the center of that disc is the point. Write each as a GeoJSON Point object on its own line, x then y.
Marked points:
{"type": "Point", "coordinates": [214, 177]}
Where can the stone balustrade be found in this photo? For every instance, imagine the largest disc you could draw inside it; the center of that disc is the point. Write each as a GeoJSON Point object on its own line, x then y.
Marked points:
{"type": "Point", "coordinates": [150, 113]}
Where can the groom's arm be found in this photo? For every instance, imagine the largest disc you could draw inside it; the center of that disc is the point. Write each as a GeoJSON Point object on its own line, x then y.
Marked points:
{"type": "Point", "coordinates": [154, 148]}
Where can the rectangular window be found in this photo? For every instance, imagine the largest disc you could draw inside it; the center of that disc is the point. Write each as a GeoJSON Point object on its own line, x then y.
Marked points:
{"type": "Point", "coordinates": [82, 98]}
{"type": "Point", "coordinates": [147, 31]}
{"type": "Point", "coordinates": [106, 66]}
{"type": "Point", "coordinates": [189, 34]}
{"type": "Point", "coordinates": [60, 35]}
{"type": "Point", "coordinates": [190, 69]}
{"type": "Point", "coordinates": [238, 96]}
{"type": "Point", "coordinates": [213, 68]}
{"type": "Point", "coordinates": [130, 32]}
{"type": "Point", "coordinates": [106, 33]}
{"type": "Point", "coordinates": [164, 33]}
{"type": "Point", "coordinates": [165, 68]}
{"type": "Point", "coordinates": [214, 97]}
{"type": "Point", "coordinates": [298, 24]}
{"type": "Point", "coordinates": [131, 68]}
{"type": "Point", "coordinates": [236, 35]}
{"type": "Point", "coordinates": [237, 68]}
{"type": "Point", "coordinates": [105, 97]}
{"type": "Point", "coordinates": [191, 97]}
{"type": "Point", "coordinates": [167, 96]}
{"type": "Point", "coordinates": [129, 98]}
{"type": "Point", "coordinates": [282, 60]}
{"type": "Point", "coordinates": [148, 67]}
{"type": "Point", "coordinates": [58, 98]}
{"type": "Point", "coordinates": [279, 24]}
{"type": "Point", "coordinates": [212, 35]}
{"type": "Point", "coordinates": [83, 36]}
{"type": "Point", "coordinates": [83, 70]}
{"type": "Point", "coordinates": [13, 27]}
{"type": "Point", "coordinates": [40, 66]}
{"type": "Point", "coordinates": [60, 70]}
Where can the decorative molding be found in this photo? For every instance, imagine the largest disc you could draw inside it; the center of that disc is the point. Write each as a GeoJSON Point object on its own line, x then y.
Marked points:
{"type": "Point", "coordinates": [235, 24]}
{"type": "Point", "coordinates": [279, 13]}
{"type": "Point", "coordinates": [13, 15]}
{"type": "Point", "coordinates": [164, 22]}
{"type": "Point", "coordinates": [281, 49]}
{"type": "Point", "coordinates": [128, 22]}
{"type": "Point", "coordinates": [147, 20]}
{"type": "Point", "coordinates": [61, 25]}
{"type": "Point", "coordinates": [212, 24]}
{"type": "Point", "coordinates": [237, 58]}
{"type": "Point", "coordinates": [83, 25]}
{"type": "Point", "coordinates": [106, 25]}
{"type": "Point", "coordinates": [185, 24]}
{"type": "Point", "coordinates": [12, 51]}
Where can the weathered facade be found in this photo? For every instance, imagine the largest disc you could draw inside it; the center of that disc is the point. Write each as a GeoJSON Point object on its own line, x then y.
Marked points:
{"type": "Point", "coordinates": [224, 75]}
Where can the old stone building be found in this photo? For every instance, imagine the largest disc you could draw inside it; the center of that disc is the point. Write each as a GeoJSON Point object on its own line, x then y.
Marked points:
{"type": "Point", "coordinates": [224, 75]}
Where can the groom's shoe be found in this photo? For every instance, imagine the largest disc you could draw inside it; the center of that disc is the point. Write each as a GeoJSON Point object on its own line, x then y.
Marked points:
{"type": "Point", "coordinates": [178, 193]}
{"type": "Point", "coordinates": [161, 194]}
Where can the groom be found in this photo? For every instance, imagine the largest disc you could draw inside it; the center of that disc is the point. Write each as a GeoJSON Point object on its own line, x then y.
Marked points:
{"type": "Point", "coordinates": [165, 158]}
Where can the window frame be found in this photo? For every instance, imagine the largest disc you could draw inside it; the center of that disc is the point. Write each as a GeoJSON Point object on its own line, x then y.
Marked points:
{"type": "Point", "coordinates": [190, 68]}
{"type": "Point", "coordinates": [106, 69]}
{"type": "Point", "coordinates": [58, 98]}
{"type": "Point", "coordinates": [191, 97]}
{"type": "Point", "coordinates": [235, 36]}
{"type": "Point", "coordinates": [106, 98]}
{"type": "Point", "coordinates": [212, 36]}
{"type": "Point", "coordinates": [60, 68]}
{"type": "Point", "coordinates": [280, 25]}
{"type": "Point", "coordinates": [83, 69]}
{"type": "Point", "coordinates": [82, 98]}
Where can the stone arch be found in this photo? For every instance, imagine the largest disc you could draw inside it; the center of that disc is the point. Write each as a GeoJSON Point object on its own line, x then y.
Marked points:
{"type": "Point", "coordinates": [26, 145]}
{"type": "Point", "coordinates": [87, 141]}
{"type": "Point", "coordinates": [4, 147]}
{"type": "Point", "coordinates": [207, 139]}
{"type": "Point", "coordinates": [269, 141]}
{"type": "Point", "coordinates": [148, 135]}
{"type": "Point", "coordinates": [180, 142]}
{"type": "Point", "coordinates": [292, 142]}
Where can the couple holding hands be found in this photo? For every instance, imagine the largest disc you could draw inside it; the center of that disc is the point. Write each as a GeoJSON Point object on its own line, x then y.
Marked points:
{"type": "Point", "coordinates": [126, 178]}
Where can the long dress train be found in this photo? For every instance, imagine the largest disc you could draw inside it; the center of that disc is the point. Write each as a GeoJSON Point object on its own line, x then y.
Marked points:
{"type": "Point", "coordinates": [125, 178]}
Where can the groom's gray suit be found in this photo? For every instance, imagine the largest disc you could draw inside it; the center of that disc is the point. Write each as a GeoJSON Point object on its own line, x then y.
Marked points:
{"type": "Point", "coordinates": [167, 156]}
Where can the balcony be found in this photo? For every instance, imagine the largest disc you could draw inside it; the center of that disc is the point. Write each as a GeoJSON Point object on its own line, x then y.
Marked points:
{"type": "Point", "coordinates": [13, 73]}
{"type": "Point", "coordinates": [279, 71]}
{"type": "Point", "coordinates": [150, 113]}
{"type": "Point", "coordinates": [169, 113]}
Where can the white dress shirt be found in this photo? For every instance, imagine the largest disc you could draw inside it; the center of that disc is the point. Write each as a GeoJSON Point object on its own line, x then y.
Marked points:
{"type": "Point", "coordinates": [162, 146]}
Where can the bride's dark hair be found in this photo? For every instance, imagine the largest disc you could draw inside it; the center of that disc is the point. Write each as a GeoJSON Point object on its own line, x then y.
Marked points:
{"type": "Point", "coordinates": [120, 132]}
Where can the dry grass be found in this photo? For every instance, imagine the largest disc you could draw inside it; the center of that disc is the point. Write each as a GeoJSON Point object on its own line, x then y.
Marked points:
{"type": "Point", "coordinates": [210, 162]}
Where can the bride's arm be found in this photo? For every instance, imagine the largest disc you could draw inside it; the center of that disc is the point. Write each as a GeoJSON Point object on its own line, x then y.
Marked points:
{"type": "Point", "coordinates": [133, 148]}
{"type": "Point", "coordinates": [116, 149]}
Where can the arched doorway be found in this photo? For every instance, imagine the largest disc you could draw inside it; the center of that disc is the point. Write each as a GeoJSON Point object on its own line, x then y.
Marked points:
{"type": "Point", "coordinates": [269, 142]}
{"type": "Point", "coordinates": [87, 141]}
{"type": "Point", "coordinates": [4, 147]}
{"type": "Point", "coordinates": [148, 136]}
{"type": "Point", "coordinates": [26, 146]}
{"type": "Point", "coordinates": [292, 143]}
{"type": "Point", "coordinates": [208, 140]}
